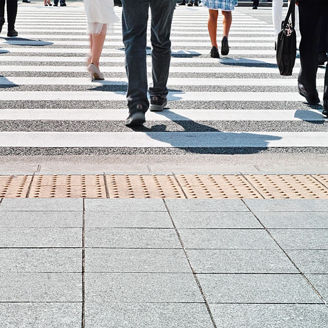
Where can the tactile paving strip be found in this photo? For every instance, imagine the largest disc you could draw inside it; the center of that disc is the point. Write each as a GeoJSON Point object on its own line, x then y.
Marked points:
{"type": "Point", "coordinates": [166, 186]}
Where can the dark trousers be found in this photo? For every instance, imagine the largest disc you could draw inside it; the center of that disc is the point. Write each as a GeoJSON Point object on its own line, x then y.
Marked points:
{"type": "Point", "coordinates": [256, 3]}
{"type": "Point", "coordinates": [311, 12]}
{"type": "Point", "coordinates": [11, 12]}
{"type": "Point", "coordinates": [135, 18]}
{"type": "Point", "coordinates": [323, 44]}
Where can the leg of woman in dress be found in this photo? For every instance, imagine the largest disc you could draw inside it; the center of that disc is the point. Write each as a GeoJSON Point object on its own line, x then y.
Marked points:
{"type": "Point", "coordinates": [277, 15]}
{"type": "Point", "coordinates": [227, 20]}
{"type": "Point", "coordinates": [212, 30]}
{"type": "Point", "coordinates": [96, 46]}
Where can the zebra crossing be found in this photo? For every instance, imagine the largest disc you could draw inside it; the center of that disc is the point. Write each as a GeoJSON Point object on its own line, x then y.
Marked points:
{"type": "Point", "coordinates": [238, 104]}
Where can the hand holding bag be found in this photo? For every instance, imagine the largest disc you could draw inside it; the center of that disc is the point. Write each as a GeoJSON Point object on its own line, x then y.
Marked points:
{"type": "Point", "coordinates": [286, 43]}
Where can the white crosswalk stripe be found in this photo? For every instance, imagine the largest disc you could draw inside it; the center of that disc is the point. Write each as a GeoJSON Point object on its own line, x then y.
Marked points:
{"type": "Point", "coordinates": [239, 103]}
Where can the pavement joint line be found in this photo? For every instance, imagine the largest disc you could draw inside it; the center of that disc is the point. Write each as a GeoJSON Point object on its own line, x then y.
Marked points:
{"type": "Point", "coordinates": [245, 177]}
{"type": "Point", "coordinates": [191, 267]}
{"type": "Point", "coordinates": [287, 255]}
{"type": "Point", "coordinates": [83, 266]}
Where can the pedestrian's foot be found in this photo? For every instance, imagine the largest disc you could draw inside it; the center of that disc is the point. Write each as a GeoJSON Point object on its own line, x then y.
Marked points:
{"type": "Point", "coordinates": [190, 4]}
{"type": "Point", "coordinates": [136, 119]}
{"type": "Point", "coordinates": [27, 1]}
{"type": "Point", "coordinates": [325, 107]}
{"type": "Point", "coordinates": [95, 73]}
{"type": "Point", "coordinates": [12, 33]}
{"type": "Point", "coordinates": [311, 98]}
{"type": "Point", "coordinates": [157, 103]}
{"type": "Point", "coordinates": [224, 46]}
{"type": "Point", "coordinates": [63, 4]}
{"type": "Point", "coordinates": [322, 58]}
{"type": "Point", "coordinates": [215, 52]}
{"type": "Point", "coordinates": [254, 7]}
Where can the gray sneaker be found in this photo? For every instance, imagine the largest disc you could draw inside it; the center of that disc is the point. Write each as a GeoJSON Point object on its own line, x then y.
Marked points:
{"type": "Point", "coordinates": [157, 103]}
{"type": "Point", "coordinates": [135, 119]}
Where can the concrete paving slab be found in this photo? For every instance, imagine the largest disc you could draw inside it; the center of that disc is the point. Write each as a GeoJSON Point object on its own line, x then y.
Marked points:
{"type": "Point", "coordinates": [240, 261]}
{"type": "Point", "coordinates": [40, 219]}
{"type": "Point", "coordinates": [141, 288]}
{"type": "Point", "coordinates": [122, 315]}
{"type": "Point", "coordinates": [226, 239]}
{"type": "Point", "coordinates": [206, 205]}
{"type": "Point", "coordinates": [310, 261]}
{"type": "Point", "coordinates": [125, 205]}
{"type": "Point", "coordinates": [215, 220]}
{"type": "Point", "coordinates": [270, 315]}
{"type": "Point", "coordinates": [40, 287]}
{"type": "Point", "coordinates": [40, 237]}
{"type": "Point", "coordinates": [40, 315]}
{"type": "Point", "coordinates": [128, 219]}
{"type": "Point", "coordinates": [297, 220]}
{"type": "Point", "coordinates": [136, 260]}
{"type": "Point", "coordinates": [41, 260]}
{"type": "Point", "coordinates": [320, 282]}
{"type": "Point", "coordinates": [43, 205]}
{"type": "Point", "coordinates": [301, 239]}
{"type": "Point", "coordinates": [257, 288]}
{"type": "Point", "coordinates": [131, 238]}
{"type": "Point", "coordinates": [287, 205]}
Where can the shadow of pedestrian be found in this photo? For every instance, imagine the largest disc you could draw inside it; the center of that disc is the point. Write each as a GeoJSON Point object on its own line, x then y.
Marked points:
{"type": "Point", "coordinates": [6, 84]}
{"type": "Point", "coordinates": [200, 138]}
{"type": "Point", "coordinates": [245, 62]}
{"type": "Point", "coordinates": [26, 42]}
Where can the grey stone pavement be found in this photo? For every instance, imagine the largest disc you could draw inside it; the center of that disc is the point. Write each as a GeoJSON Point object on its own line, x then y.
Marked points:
{"type": "Point", "coordinates": [154, 263]}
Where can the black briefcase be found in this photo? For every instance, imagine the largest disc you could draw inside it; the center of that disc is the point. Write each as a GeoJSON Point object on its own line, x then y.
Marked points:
{"type": "Point", "coordinates": [286, 43]}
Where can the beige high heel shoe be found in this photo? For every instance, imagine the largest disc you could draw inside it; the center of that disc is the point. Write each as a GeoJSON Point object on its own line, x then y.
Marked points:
{"type": "Point", "coordinates": [95, 73]}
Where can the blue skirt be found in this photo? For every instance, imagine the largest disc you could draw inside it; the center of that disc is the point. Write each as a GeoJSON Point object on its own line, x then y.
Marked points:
{"type": "Point", "coordinates": [227, 5]}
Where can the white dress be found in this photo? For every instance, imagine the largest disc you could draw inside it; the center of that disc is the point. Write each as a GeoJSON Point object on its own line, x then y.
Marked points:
{"type": "Point", "coordinates": [99, 12]}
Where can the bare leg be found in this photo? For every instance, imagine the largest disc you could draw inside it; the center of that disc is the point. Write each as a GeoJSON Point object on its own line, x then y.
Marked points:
{"type": "Point", "coordinates": [213, 26]}
{"type": "Point", "coordinates": [90, 53]}
{"type": "Point", "coordinates": [97, 44]}
{"type": "Point", "coordinates": [227, 20]}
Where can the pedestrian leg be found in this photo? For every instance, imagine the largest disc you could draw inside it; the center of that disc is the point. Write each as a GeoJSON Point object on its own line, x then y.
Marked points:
{"type": "Point", "coordinates": [310, 32]}
{"type": "Point", "coordinates": [213, 26]}
{"type": "Point", "coordinates": [162, 15]}
{"type": "Point", "coordinates": [11, 16]}
{"type": "Point", "coordinates": [277, 6]}
{"type": "Point", "coordinates": [2, 13]}
{"type": "Point", "coordinates": [134, 20]}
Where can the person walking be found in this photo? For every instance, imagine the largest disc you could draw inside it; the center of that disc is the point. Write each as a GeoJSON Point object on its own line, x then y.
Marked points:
{"type": "Point", "coordinates": [135, 18]}
{"type": "Point", "coordinates": [227, 6]}
{"type": "Point", "coordinates": [62, 3]}
{"type": "Point", "coordinates": [11, 16]}
{"type": "Point", "coordinates": [47, 3]}
{"type": "Point", "coordinates": [100, 15]}
{"type": "Point", "coordinates": [311, 12]}
{"type": "Point", "coordinates": [256, 4]}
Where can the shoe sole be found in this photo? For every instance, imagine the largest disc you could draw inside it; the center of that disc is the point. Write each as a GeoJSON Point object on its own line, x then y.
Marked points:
{"type": "Point", "coordinates": [157, 108]}
{"type": "Point", "coordinates": [137, 121]}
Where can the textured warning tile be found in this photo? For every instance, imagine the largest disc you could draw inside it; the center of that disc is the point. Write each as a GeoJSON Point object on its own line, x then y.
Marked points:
{"type": "Point", "coordinates": [143, 186]}
{"type": "Point", "coordinates": [217, 186]}
{"type": "Point", "coordinates": [288, 186]}
{"type": "Point", "coordinates": [14, 186]}
{"type": "Point", "coordinates": [323, 179]}
{"type": "Point", "coordinates": [68, 186]}
{"type": "Point", "coordinates": [166, 186]}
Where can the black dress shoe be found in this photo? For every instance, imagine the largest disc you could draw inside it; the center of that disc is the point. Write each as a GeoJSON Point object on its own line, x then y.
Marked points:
{"type": "Point", "coordinates": [311, 98]}
{"type": "Point", "coordinates": [325, 110]}
{"type": "Point", "coordinates": [11, 33]}
{"type": "Point", "coordinates": [254, 7]}
{"type": "Point", "coordinates": [322, 58]}
{"type": "Point", "coordinates": [26, 1]}
{"type": "Point", "coordinates": [215, 52]}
